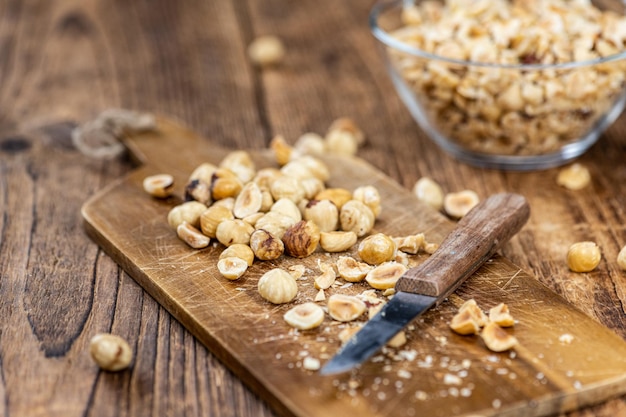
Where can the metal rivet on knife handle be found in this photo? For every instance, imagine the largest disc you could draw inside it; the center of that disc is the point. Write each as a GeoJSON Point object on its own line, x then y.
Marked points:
{"type": "Point", "coordinates": [476, 239]}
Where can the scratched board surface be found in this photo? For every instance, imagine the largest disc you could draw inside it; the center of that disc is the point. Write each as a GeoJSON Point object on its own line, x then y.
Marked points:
{"type": "Point", "coordinates": [564, 360]}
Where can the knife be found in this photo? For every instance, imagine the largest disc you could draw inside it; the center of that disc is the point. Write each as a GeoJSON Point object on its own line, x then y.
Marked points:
{"type": "Point", "coordinates": [477, 237]}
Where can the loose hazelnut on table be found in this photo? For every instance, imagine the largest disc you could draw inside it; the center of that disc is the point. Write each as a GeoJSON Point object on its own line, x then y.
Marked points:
{"type": "Point", "coordinates": [377, 248]}
{"type": "Point", "coordinates": [459, 204]}
{"type": "Point", "coordinates": [429, 192]}
{"type": "Point", "coordinates": [159, 186]}
{"type": "Point", "coordinates": [278, 286]}
{"type": "Point", "coordinates": [232, 267]}
{"type": "Point", "coordinates": [574, 177]}
{"type": "Point", "coordinates": [192, 236]}
{"type": "Point", "coordinates": [110, 352]}
{"type": "Point", "coordinates": [583, 256]}
{"type": "Point", "coordinates": [266, 50]}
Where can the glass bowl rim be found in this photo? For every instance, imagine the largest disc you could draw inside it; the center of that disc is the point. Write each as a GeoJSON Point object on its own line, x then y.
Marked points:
{"type": "Point", "coordinates": [383, 36]}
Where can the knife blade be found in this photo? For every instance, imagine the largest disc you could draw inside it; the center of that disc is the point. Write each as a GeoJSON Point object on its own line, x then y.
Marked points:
{"type": "Point", "coordinates": [476, 238]}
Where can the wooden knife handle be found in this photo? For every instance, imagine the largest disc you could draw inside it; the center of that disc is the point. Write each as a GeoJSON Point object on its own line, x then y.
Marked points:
{"type": "Point", "coordinates": [477, 237]}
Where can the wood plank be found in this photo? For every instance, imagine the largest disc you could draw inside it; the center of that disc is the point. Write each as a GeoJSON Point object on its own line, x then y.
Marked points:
{"type": "Point", "coordinates": [544, 376]}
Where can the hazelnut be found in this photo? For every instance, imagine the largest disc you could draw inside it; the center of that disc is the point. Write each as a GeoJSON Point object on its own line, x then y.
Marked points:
{"type": "Point", "coordinates": [301, 239]}
{"type": "Point", "coordinates": [377, 248]}
{"type": "Point", "coordinates": [110, 352]}
{"type": "Point", "coordinates": [277, 286]}
{"type": "Point", "coordinates": [305, 316]}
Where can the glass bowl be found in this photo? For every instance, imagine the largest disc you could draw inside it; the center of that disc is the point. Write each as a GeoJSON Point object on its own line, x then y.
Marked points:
{"type": "Point", "coordinates": [507, 84]}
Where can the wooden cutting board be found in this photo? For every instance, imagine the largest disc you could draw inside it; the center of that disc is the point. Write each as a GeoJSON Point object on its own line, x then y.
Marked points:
{"type": "Point", "coordinates": [565, 359]}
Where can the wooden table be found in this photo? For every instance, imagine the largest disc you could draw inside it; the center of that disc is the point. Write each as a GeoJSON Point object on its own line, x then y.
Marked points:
{"type": "Point", "coordinates": [63, 62]}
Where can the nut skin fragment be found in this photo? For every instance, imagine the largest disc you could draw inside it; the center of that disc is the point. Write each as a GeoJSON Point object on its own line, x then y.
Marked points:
{"type": "Point", "coordinates": [301, 239]}
{"type": "Point", "coordinates": [497, 339]}
{"type": "Point", "coordinates": [574, 177]}
{"type": "Point", "coordinates": [385, 276]}
{"type": "Point", "coordinates": [429, 192]}
{"type": "Point", "coordinates": [583, 256]}
{"type": "Point", "coordinates": [352, 270]}
{"type": "Point", "coordinates": [159, 185]}
{"type": "Point", "coordinates": [377, 249]}
{"type": "Point", "coordinates": [239, 250]}
{"type": "Point", "coordinates": [234, 231]}
{"type": "Point", "coordinates": [265, 245]}
{"type": "Point", "coordinates": [501, 315]}
{"type": "Point", "coordinates": [337, 241]}
{"type": "Point", "coordinates": [457, 205]}
{"type": "Point", "coordinates": [110, 352]}
{"type": "Point", "coordinates": [278, 286]}
{"type": "Point", "coordinates": [305, 316]}
{"type": "Point", "coordinates": [356, 217]}
{"type": "Point", "coordinates": [212, 217]}
{"type": "Point", "coordinates": [192, 236]}
{"type": "Point", "coordinates": [232, 267]}
{"type": "Point", "coordinates": [189, 212]}
{"type": "Point", "coordinates": [345, 308]}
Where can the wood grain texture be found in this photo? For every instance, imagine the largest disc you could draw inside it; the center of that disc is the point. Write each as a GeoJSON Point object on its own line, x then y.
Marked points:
{"type": "Point", "coordinates": [544, 376]}
{"type": "Point", "coordinates": [64, 61]}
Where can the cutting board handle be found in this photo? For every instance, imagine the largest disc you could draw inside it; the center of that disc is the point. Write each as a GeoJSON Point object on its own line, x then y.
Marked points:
{"type": "Point", "coordinates": [477, 237]}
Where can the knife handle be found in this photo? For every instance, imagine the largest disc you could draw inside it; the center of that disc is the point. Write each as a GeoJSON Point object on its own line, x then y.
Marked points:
{"type": "Point", "coordinates": [477, 237]}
